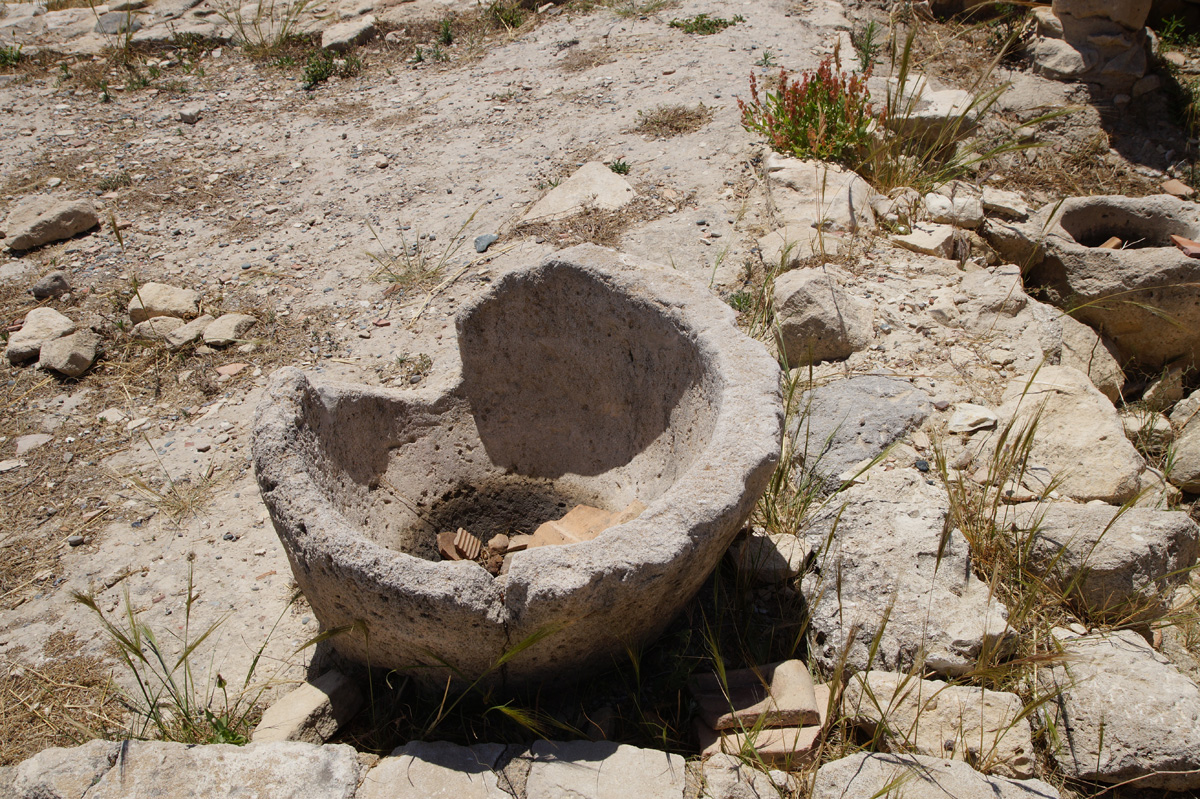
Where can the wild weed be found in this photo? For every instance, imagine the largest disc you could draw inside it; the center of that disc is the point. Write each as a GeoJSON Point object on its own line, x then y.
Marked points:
{"type": "Point", "coordinates": [10, 55]}
{"type": "Point", "coordinates": [270, 27]}
{"type": "Point", "coordinates": [704, 25]}
{"type": "Point", "coordinates": [415, 266]}
{"type": "Point", "coordinates": [620, 167]}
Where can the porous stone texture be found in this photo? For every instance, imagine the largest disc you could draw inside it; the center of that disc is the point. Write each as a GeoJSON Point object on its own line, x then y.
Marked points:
{"type": "Point", "coordinates": [1078, 437]}
{"type": "Point", "coordinates": [1123, 713]}
{"type": "Point", "coordinates": [816, 320]}
{"type": "Point", "coordinates": [312, 712]}
{"type": "Point", "coordinates": [160, 299]}
{"type": "Point", "coordinates": [590, 378]}
{"type": "Point", "coordinates": [157, 328]}
{"type": "Point", "coordinates": [41, 325]}
{"type": "Point", "coordinates": [937, 719]}
{"type": "Point", "coordinates": [592, 186]}
{"type": "Point", "coordinates": [1093, 41]}
{"type": "Point", "coordinates": [957, 203]}
{"type": "Point", "coordinates": [136, 769]}
{"type": "Point", "coordinates": [918, 777]}
{"type": "Point", "coordinates": [1123, 564]}
{"type": "Point", "coordinates": [341, 37]}
{"type": "Point", "coordinates": [227, 329]}
{"type": "Point", "coordinates": [880, 553]}
{"type": "Point", "coordinates": [602, 770]}
{"type": "Point", "coordinates": [849, 421]}
{"type": "Point", "coordinates": [807, 194]}
{"type": "Point", "coordinates": [70, 355]}
{"type": "Point", "coordinates": [189, 333]}
{"type": "Point", "coordinates": [728, 777]}
{"type": "Point", "coordinates": [789, 245]}
{"type": "Point", "coordinates": [1082, 349]}
{"type": "Point", "coordinates": [928, 238]}
{"type": "Point", "coordinates": [1144, 298]}
{"type": "Point", "coordinates": [435, 770]}
{"type": "Point", "coordinates": [1128, 13]}
{"type": "Point", "coordinates": [42, 219]}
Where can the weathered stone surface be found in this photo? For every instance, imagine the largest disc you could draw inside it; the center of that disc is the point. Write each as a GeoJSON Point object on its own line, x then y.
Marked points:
{"type": "Point", "coordinates": [52, 284]}
{"type": "Point", "coordinates": [602, 770]}
{"type": "Point", "coordinates": [70, 355]}
{"type": "Point", "coordinates": [1082, 349]}
{"type": "Point", "coordinates": [770, 558]}
{"type": "Point", "coordinates": [41, 325]}
{"type": "Point", "coordinates": [936, 719]}
{"type": "Point", "coordinates": [1079, 436]}
{"type": "Point", "coordinates": [727, 777]}
{"type": "Point", "coordinates": [1121, 564]}
{"type": "Point", "coordinates": [969, 417]}
{"type": "Point", "coordinates": [792, 243]}
{"type": "Point", "coordinates": [1145, 299]}
{"type": "Point", "coordinates": [817, 320]}
{"type": "Point", "coordinates": [1146, 426]}
{"type": "Point", "coordinates": [341, 37]}
{"type": "Point", "coordinates": [159, 299]}
{"type": "Point", "coordinates": [228, 329]}
{"type": "Point", "coordinates": [312, 712]}
{"type": "Point", "coordinates": [1123, 712]}
{"type": "Point", "coordinates": [849, 421]}
{"type": "Point", "coordinates": [1002, 201]}
{"type": "Point", "coordinates": [1129, 13]}
{"type": "Point", "coordinates": [157, 327]}
{"type": "Point", "coordinates": [1185, 470]}
{"type": "Point", "coordinates": [41, 219]}
{"type": "Point", "coordinates": [807, 193]}
{"type": "Point", "coordinates": [436, 770]}
{"type": "Point", "coordinates": [675, 408]}
{"type": "Point", "coordinates": [774, 695]}
{"type": "Point", "coordinates": [918, 777]}
{"type": "Point", "coordinates": [189, 333]}
{"type": "Point", "coordinates": [945, 115]}
{"type": "Point", "coordinates": [593, 185]}
{"type": "Point", "coordinates": [118, 22]}
{"type": "Point", "coordinates": [955, 204]}
{"type": "Point", "coordinates": [881, 553]}
{"type": "Point", "coordinates": [928, 238]}
{"type": "Point", "coordinates": [134, 769]}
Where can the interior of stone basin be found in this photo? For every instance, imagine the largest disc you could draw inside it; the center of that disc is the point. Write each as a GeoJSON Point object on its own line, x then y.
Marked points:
{"type": "Point", "coordinates": [572, 391]}
{"type": "Point", "coordinates": [1096, 221]}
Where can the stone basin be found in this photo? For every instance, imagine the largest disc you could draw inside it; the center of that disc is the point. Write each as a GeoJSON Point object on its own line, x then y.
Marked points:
{"type": "Point", "coordinates": [591, 377]}
{"type": "Point", "coordinates": [1144, 296]}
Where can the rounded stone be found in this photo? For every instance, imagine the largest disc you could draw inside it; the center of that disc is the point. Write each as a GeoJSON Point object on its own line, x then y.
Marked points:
{"type": "Point", "coordinates": [589, 378]}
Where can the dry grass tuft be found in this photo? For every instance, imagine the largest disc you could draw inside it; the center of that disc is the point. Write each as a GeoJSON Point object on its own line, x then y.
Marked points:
{"type": "Point", "coordinates": [673, 120]}
{"type": "Point", "coordinates": [578, 60]}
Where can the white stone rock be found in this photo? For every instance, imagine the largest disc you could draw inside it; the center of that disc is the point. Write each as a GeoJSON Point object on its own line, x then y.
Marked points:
{"type": "Point", "coordinates": [1083, 349]}
{"type": "Point", "coordinates": [817, 320]}
{"type": "Point", "coordinates": [312, 712]}
{"type": "Point", "coordinates": [70, 355]}
{"type": "Point", "coordinates": [1002, 201]}
{"type": "Point", "coordinates": [727, 777]}
{"type": "Point", "coordinates": [792, 243]}
{"type": "Point", "coordinates": [436, 770]}
{"type": "Point", "coordinates": [30, 442]}
{"type": "Point", "coordinates": [41, 325]}
{"type": "Point", "coordinates": [341, 37]}
{"type": "Point", "coordinates": [602, 770]}
{"type": "Point", "coordinates": [918, 777]}
{"type": "Point", "coordinates": [959, 209]}
{"type": "Point", "coordinates": [1129, 13]}
{"type": "Point", "coordinates": [228, 329]}
{"type": "Point", "coordinates": [770, 558]}
{"type": "Point", "coordinates": [929, 238]}
{"type": "Point", "coordinates": [1185, 471]}
{"type": "Point", "coordinates": [593, 185]}
{"type": "Point", "coordinates": [157, 327]}
{"type": "Point", "coordinates": [160, 299]}
{"type": "Point", "coordinates": [189, 333]}
{"type": "Point", "coordinates": [42, 219]}
{"type": "Point", "coordinates": [969, 417]}
{"type": "Point", "coordinates": [806, 192]}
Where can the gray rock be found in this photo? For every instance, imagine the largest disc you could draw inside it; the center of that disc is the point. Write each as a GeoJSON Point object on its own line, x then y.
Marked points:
{"type": "Point", "coordinates": [1128, 13]}
{"type": "Point", "coordinates": [228, 329]}
{"type": "Point", "coordinates": [808, 194]}
{"type": "Point", "coordinates": [64, 773]}
{"type": "Point", "coordinates": [31, 441]}
{"type": "Point", "coordinates": [1083, 349]}
{"type": "Point", "coordinates": [341, 37]}
{"type": "Point", "coordinates": [593, 185]}
{"type": "Point", "coordinates": [878, 551]}
{"type": "Point", "coordinates": [1186, 410]}
{"type": "Point", "coordinates": [188, 334]}
{"type": "Point", "coordinates": [602, 770]}
{"type": "Point", "coordinates": [936, 719]}
{"type": "Point", "coordinates": [1185, 469]}
{"type": "Point", "coordinates": [727, 777]}
{"type": "Point", "coordinates": [969, 418]}
{"type": "Point", "coordinates": [157, 327]}
{"type": "Point", "coordinates": [41, 325]}
{"type": "Point", "coordinates": [1123, 565]}
{"type": "Point", "coordinates": [484, 241]}
{"type": "Point", "coordinates": [1007, 203]}
{"type": "Point", "coordinates": [956, 205]}
{"type": "Point", "coordinates": [928, 238]}
{"type": "Point", "coordinates": [160, 299]}
{"type": "Point", "coordinates": [117, 22]}
{"type": "Point", "coordinates": [420, 770]}
{"type": "Point", "coordinates": [312, 712]}
{"type": "Point", "coordinates": [848, 421]}
{"type": "Point", "coordinates": [816, 320]}
{"type": "Point", "coordinates": [42, 219]}
{"type": "Point", "coordinates": [918, 777]}
{"type": "Point", "coordinates": [70, 355]}
{"type": "Point", "coordinates": [1123, 712]}
{"type": "Point", "coordinates": [52, 284]}
{"type": "Point", "coordinates": [606, 377]}
{"type": "Point", "coordinates": [190, 115]}
{"type": "Point", "coordinates": [789, 245]}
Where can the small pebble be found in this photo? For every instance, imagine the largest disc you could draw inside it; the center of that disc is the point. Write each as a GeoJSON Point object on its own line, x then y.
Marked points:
{"type": "Point", "coordinates": [922, 466]}
{"type": "Point", "coordinates": [229, 537]}
{"type": "Point", "coordinates": [486, 240]}
{"type": "Point", "coordinates": [75, 540]}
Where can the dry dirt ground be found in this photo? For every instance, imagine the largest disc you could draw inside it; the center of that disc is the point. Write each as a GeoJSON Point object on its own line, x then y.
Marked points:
{"type": "Point", "coordinates": [286, 203]}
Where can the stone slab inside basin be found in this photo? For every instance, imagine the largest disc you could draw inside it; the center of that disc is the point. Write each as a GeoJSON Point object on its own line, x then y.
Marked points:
{"type": "Point", "coordinates": [591, 377]}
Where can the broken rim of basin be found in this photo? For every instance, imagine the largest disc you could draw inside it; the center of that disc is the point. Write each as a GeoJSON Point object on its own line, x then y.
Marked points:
{"type": "Point", "coordinates": [566, 610]}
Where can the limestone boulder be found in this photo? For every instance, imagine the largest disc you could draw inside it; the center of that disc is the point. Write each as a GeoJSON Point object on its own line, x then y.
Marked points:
{"type": "Point", "coordinates": [190, 333]}
{"type": "Point", "coordinates": [810, 193]}
{"type": "Point", "coordinates": [593, 185]}
{"type": "Point", "coordinates": [42, 219]}
{"type": "Point", "coordinates": [52, 284]}
{"type": "Point", "coordinates": [228, 329]}
{"type": "Point", "coordinates": [1123, 712]}
{"type": "Point", "coordinates": [159, 299]}
{"type": "Point", "coordinates": [850, 421]}
{"type": "Point", "coordinates": [1185, 469]}
{"type": "Point", "coordinates": [918, 777]}
{"type": "Point", "coordinates": [63, 772]}
{"type": "Point", "coordinates": [157, 327]}
{"type": "Point", "coordinates": [937, 719]}
{"type": "Point", "coordinates": [71, 355]}
{"type": "Point", "coordinates": [421, 770]}
{"type": "Point", "coordinates": [602, 770]}
{"type": "Point", "coordinates": [884, 551]}
{"type": "Point", "coordinates": [928, 238]}
{"type": "Point", "coordinates": [41, 325]}
{"type": "Point", "coordinates": [311, 712]}
{"type": "Point", "coordinates": [345, 35]}
{"type": "Point", "coordinates": [1130, 14]}
{"type": "Point", "coordinates": [1081, 348]}
{"type": "Point", "coordinates": [816, 319]}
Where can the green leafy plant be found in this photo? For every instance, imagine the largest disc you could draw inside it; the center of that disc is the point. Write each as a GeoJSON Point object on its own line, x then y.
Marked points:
{"type": "Point", "coordinates": [704, 25]}
{"type": "Point", "coordinates": [322, 65]}
{"type": "Point", "coordinates": [620, 167]}
{"type": "Point", "coordinates": [1175, 33]}
{"type": "Point", "coordinates": [10, 55]}
{"type": "Point", "coordinates": [505, 14]}
{"type": "Point", "coordinates": [766, 60]}
{"type": "Point", "coordinates": [823, 114]}
{"type": "Point", "coordinates": [867, 45]}
{"type": "Point", "coordinates": [117, 180]}
{"type": "Point", "coordinates": [445, 35]}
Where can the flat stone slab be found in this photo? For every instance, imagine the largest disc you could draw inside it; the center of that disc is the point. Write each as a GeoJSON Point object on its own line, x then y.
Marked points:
{"type": "Point", "coordinates": [1123, 712]}
{"type": "Point", "coordinates": [311, 712]}
{"type": "Point", "coordinates": [42, 219]}
{"type": "Point", "coordinates": [436, 770]}
{"type": "Point", "coordinates": [918, 777]}
{"type": "Point", "coordinates": [593, 185]}
{"type": "Point", "coordinates": [602, 770]}
{"type": "Point", "coordinates": [777, 695]}
{"type": "Point", "coordinates": [160, 299]}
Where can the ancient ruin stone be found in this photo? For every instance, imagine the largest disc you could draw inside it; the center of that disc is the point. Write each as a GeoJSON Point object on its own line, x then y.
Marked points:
{"type": "Point", "coordinates": [817, 320]}
{"type": "Point", "coordinates": [41, 219]}
{"type": "Point", "coordinates": [590, 378]}
{"type": "Point", "coordinates": [918, 777]}
{"type": "Point", "coordinates": [809, 193]}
